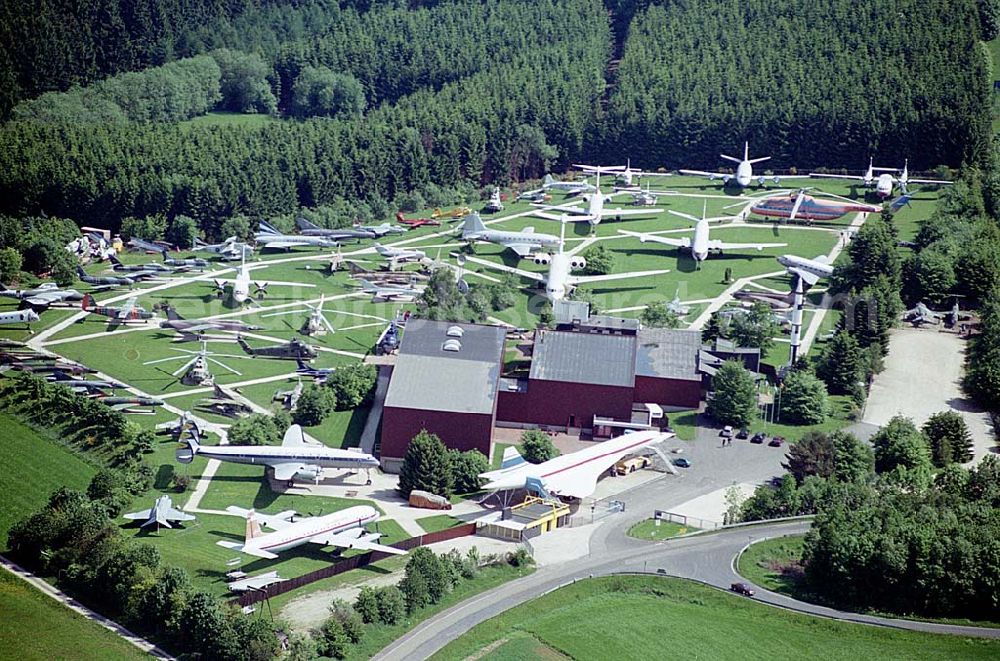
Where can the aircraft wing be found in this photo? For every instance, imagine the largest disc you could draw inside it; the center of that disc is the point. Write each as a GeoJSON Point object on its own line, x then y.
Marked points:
{"type": "Point", "coordinates": [272, 521]}
{"type": "Point", "coordinates": [783, 177]}
{"type": "Point", "coordinates": [656, 238]}
{"type": "Point", "coordinates": [355, 538]}
{"type": "Point", "coordinates": [808, 277]}
{"type": "Point", "coordinates": [282, 243]}
{"type": "Point", "coordinates": [126, 309]}
{"type": "Point", "coordinates": [174, 514]}
{"type": "Point", "coordinates": [629, 212]}
{"type": "Point", "coordinates": [817, 175]}
{"type": "Point", "coordinates": [557, 218]}
{"type": "Point", "coordinates": [286, 471]}
{"type": "Point", "coordinates": [137, 516]}
{"type": "Point", "coordinates": [531, 275]}
{"type": "Point", "coordinates": [701, 173]}
{"type": "Point", "coordinates": [929, 181]}
{"type": "Point", "coordinates": [583, 279]}
{"type": "Point", "coordinates": [45, 298]}
{"type": "Point", "coordinates": [715, 244]}
{"type": "Point", "coordinates": [522, 249]}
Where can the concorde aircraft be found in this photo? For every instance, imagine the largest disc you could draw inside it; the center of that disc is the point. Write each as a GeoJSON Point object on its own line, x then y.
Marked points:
{"type": "Point", "coordinates": [344, 529]}
{"type": "Point", "coordinates": [297, 456]}
{"type": "Point", "coordinates": [744, 171]}
{"type": "Point", "coordinates": [701, 245]}
{"type": "Point", "coordinates": [571, 475]}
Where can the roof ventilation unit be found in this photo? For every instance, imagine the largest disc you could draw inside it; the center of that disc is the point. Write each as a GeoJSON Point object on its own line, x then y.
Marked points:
{"type": "Point", "coordinates": [451, 345]}
{"type": "Point", "coordinates": [455, 331]}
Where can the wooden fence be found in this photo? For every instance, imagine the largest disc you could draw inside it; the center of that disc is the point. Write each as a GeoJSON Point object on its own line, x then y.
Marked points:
{"type": "Point", "coordinates": [354, 562]}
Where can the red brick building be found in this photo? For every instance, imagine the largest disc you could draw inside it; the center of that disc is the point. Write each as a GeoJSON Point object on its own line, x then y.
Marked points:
{"type": "Point", "coordinates": [445, 381]}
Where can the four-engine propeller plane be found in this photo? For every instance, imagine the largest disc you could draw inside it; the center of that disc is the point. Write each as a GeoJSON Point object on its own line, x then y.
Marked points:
{"type": "Point", "coordinates": [744, 175]}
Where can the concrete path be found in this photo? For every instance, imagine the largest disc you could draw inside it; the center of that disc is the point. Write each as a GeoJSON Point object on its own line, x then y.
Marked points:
{"type": "Point", "coordinates": [375, 412]}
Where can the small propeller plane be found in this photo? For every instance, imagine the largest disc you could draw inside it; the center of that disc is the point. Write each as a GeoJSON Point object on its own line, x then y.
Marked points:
{"type": "Point", "coordinates": [117, 315]}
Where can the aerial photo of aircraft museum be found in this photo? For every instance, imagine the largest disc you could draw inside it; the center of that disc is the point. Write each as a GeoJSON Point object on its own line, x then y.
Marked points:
{"type": "Point", "coordinates": [324, 334]}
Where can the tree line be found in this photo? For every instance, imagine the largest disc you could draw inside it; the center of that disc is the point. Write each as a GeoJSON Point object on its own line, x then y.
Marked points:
{"type": "Point", "coordinates": [811, 84]}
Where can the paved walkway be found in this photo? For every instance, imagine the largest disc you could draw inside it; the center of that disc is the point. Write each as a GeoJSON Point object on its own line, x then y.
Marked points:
{"type": "Point", "coordinates": [368, 434]}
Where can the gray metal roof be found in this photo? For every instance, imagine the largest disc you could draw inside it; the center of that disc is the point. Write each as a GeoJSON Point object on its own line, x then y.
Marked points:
{"type": "Point", "coordinates": [436, 383]}
{"type": "Point", "coordinates": [423, 337]}
{"type": "Point", "coordinates": [668, 353]}
{"type": "Point", "coordinates": [592, 358]}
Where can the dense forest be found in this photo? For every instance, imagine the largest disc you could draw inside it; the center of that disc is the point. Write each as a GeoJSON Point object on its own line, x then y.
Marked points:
{"type": "Point", "coordinates": [374, 100]}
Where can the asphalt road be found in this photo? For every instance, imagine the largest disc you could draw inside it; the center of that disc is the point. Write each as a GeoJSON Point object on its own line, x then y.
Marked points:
{"type": "Point", "coordinates": [705, 558]}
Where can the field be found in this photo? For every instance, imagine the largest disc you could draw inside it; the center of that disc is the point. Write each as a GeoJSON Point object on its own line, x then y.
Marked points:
{"type": "Point", "coordinates": [34, 467]}
{"type": "Point", "coordinates": [651, 617]}
{"type": "Point", "coordinates": [26, 613]}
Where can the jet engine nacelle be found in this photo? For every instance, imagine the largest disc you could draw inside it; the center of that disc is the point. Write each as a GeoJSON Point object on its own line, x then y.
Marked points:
{"type": "Point", "coordinates": [542, 259]}
{"type": "Point", "coordinates": [763, 180]}
{"type": "Point", "coordinates": [776, 180]}
{"type": "Point", "coordinates": [577, 263]}
{"type": "Point", "coordinates": [312, 473]}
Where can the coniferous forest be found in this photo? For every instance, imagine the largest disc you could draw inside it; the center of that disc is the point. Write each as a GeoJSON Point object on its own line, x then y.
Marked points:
{"type": "Point", "coordinates": [370, 100]}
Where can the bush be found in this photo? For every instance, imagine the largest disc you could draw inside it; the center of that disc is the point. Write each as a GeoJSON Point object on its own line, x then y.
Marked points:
{"type": "Point", "coordinates": [734, 396]}
{"type": "Point", "coordinates": [803, 399]}
{"type": "Point", "coordinates": [537, 447]}
{"type": "Point", "coordinates": [353, 385]}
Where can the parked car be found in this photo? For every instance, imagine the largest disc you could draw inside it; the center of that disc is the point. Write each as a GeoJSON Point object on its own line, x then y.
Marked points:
{"type": "Point", "coordinates": [758, 437]}
{"type": "Point", "coordinates": [681, 462]}
{"type": "Point", "coordinates": [743, 433]}
{"type": "Point", "coordinates": [727, 432]}
{"type": "Point", "coordinates": [626, 466]}
{"type": "Point", "coordinates": [777, 442]}
{"type": "Point", "coordinates": [742, 588]}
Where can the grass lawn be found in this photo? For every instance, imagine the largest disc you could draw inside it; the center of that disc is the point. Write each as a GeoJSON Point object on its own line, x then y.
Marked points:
{"type": "Point", "coordinates": [644, 617]}
{"type": "Point", "coordinates": [498, 450]}
{"type": "Point", "coordinates": [776, 564]}
{"type": "Point", "coordinates": [223, 118]}
{"type": "Point", "coordinates": [36, 627]}
{"type": "Point", "coordinates": [438, 522]}
{"type": "Point", "coordinates": [650, 531]}
{"type": "Point", "coordinates": [34, 467]}
{"type": "Point", "coordinates": [377, 637]}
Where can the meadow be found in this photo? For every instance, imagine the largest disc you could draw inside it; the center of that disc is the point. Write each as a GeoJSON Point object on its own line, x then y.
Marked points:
{"type": "Point", "coordinates": [656, 617]}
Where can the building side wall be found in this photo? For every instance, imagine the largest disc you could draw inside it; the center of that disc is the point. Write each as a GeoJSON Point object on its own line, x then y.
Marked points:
{"type": "Point", "coordinates": [460, 431]}
{"type": "Point", "coordinates": [667, 392]}
{"type": "Point", "coordinates": [559, 404]}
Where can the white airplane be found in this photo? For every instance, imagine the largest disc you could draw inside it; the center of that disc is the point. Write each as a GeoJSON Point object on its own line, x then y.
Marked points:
{"type": "Point", "coordinates": [241, 285]}
{"type": "Point", "coordinates": [744, 171]}
{"type": "Point", "coordinates": [623, 173]}
{"type": "Point", "coordinates": [571, 475]}
{"type": "Point", "coordinates": [229, 250]}
{"type": "Point", "coordinates": [43, 295]}
{"type": "Point", "coordinates": [400, 255]}
{"type": "Point", "coordinates": [524, 243]}
{"type": "Point", "coordinates": [810, 270]}
{"type": "Point", "coordinates": [344, 529]}
{"type": "Point", "coordinates": [161, 514]}
{"type": "Point", "coordinates": [390, 292]}
{"type": "Point", "coordinates": [702, 244]}
{"type": "Point", "coordinates": [559, 281]}
{"type": "Point", "coordinates": [568, 187]}
{"type": "Point", "coordinates": [494, 204]}
{"type": "Point", "coordinates": [381, 230]}
{"type": "Point", "coordinates": [295, 457]}
{"type": "Point", "coordinates": [269, 237]}
{"type": "Point", "coordinates": [594, 212]}
{"type": "Point", "coordinates": [885, 182]}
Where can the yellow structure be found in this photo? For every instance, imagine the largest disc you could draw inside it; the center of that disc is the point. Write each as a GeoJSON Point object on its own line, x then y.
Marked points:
{"type": "Point", "coordinates": [528, 519]}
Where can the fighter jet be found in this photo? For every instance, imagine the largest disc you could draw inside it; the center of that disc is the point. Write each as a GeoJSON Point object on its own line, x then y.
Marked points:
{"type": "Point", "coordinates": [381, 230]}
{"type": "Point", "coordinates": [147, 246]}
{"type": "Point", "coordinates": [298, 456]}
{"type": "Point", "coordinates": [400, 255]}
{"type": "Point", "coordinates": [185, 263]}
{"type": "Point", "coordinates": [160, 514]}
{"type": "Point", "coordinates": [289, 398]}
{"type": "Point", "coordinates": [80, 385]}
{"type": "Point", "coordinates": [307, 228]}
{"type": "Point", "coordinates": [179, 427]}
{"type": "Point", "coordinates": [318, 373]}
{"type": "Point", "coordinates": [230, 249]}
{"type": "Point", "coordinates": [921, 314]}
{"type": "Point", "coordinates": [701, 245]}
{"type": "Point", "coordinates": [227, 402]}
{"type": "Point", "coordinates": [117, 314]}
{"type": "Point", "coordinates": [129, 403]}
{"type": "Point", "coordinates": [104, 280]}
{"type": "Point", "coordinates": [151, 267]}
{"type": "Point", "coordinates": [524, 243]}
{"type": "Point", "coordinates": [42, 296]}
{"type": "Point", "coordinates": [343, 529]}
{"type": "Point", "coordinates": [269, 237]}
{"type": "Point", "coordinates": [193, 328]}
{"type": "Point", "coordinates": [568, 187]}
{"type": "Point", "coordinates": [390, 292]}
{"type": "Point", "coordinates": [293, 350]}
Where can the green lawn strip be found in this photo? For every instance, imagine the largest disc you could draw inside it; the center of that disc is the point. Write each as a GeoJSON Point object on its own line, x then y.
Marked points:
{"type": "Point", "coordinates": [522, 646]}
{"type": "Point", "coordinates": [439, 522]}
{"type": "Point", "coordinates": [377, 637]}
{"type": "Point", "coordinates": [775, 564]}
{"type": "Point", "coordinates": [341, 429]}
{"type": "Point", "coordinates": [498, 450]}
{"type": "Point", "coordinates": [223, 118]}
{"type": "Point", "coordinates": [654, 617]}
{"type": "Point", "coordinates": [684, 424]}
{"type": "Point", "coordinates": [648, 530]}
{"type": "Point", "coordinates": [36, 627]}
{"type": "Point", "coordinates": [34, 467]}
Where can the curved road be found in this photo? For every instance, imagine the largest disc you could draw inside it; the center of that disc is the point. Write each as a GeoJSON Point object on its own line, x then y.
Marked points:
{"type": "Point", "coordinates": [706, 558]}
